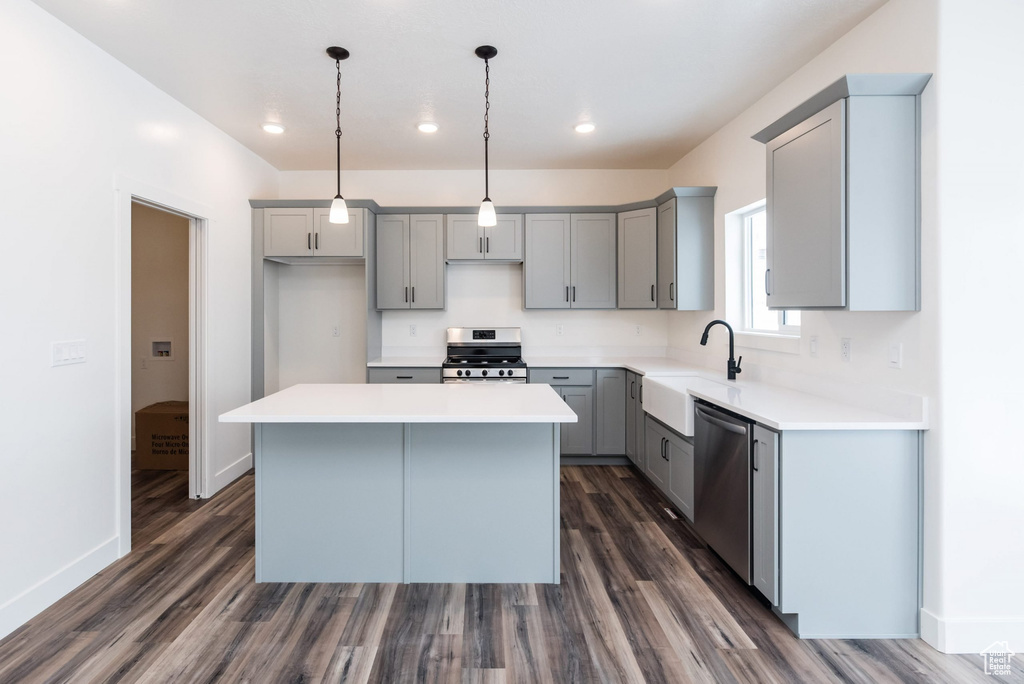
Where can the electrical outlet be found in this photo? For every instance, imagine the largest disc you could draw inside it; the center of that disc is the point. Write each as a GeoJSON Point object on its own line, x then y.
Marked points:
{"type": "Point", "coordinates": [336, 331]}
{"type": "Point", "coordinates": [559, 330]}
{"type": "Point", "coordinates": [65, 353]}
{"type": "Point", "coordinates": [639, 330]}
{"type": "Point", "coordinates": [412, 331]}
{"type": "Point", "coordinates": [142, 362]}
{"type": "Point", "coordinates": [844, 348]}
{"type": "Point", "coordinates": [814, 346]}
{"type": "Point", "coordinates": [896, 355]}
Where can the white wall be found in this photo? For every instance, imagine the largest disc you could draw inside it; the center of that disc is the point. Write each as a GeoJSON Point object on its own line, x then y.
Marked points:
{"type": "Point", "coordinates": [159, 306]}
{"type": "Point", "coordinates": [78, 123]}
{"type": "Point", "coordinates": [492, 294]}
{"type": "Point", "coordinates": [971, 252]}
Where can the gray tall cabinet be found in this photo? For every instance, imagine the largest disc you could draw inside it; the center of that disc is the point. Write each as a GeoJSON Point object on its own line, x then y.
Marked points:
{"type": "Point", "coordinates": [410, 261]}
{"type": "Point", "coordinates": [843, 205]}
{"type": "Point", "coordinates": [570, 261]}
{"type": "Point", "coordinates": [686, 250]}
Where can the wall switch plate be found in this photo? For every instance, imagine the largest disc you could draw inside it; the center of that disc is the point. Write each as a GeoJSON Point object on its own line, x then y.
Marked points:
{"type": "Point", "coordinates": [844, 348]}
{"type": "Point", "coordinates": [896, 355]}
{"type": "Point", "coordinates": [813, 346]}
{"type": "Point", "coordinates": [412, 331]}
{"type": "Point", "coordinates": [639, 330]}
{"type": "Point", "coordinates": [336, 331]}
{"type": "Point", "coordinates": [66, 353]}
{"type": "Point", "coordinates": [559, 330]}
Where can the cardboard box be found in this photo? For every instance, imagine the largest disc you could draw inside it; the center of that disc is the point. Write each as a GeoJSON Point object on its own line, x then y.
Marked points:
{"type": "Point", "coordinates": [161, 436]}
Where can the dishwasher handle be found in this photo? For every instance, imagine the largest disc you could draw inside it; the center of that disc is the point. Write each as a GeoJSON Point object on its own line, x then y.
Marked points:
{"type": "Point", "coordinates": [718, 422]}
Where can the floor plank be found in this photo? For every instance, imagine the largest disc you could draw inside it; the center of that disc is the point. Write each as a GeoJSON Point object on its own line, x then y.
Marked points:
{"type": "Point", "coordinates": [641, 599]}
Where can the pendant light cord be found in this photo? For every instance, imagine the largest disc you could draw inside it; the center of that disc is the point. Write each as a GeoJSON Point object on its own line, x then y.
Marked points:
{"type": "Point", "coordinates": [337, 131]}
{"type": "Point", "coordinates": [487, 132]}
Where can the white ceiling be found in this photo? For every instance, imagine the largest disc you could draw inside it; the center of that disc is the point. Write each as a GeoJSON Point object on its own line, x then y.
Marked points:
{"type": "Point", "coordinates": [656, 76]}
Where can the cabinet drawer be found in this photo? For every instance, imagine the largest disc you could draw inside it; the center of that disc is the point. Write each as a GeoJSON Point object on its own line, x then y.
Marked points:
{"type": "Point", "coordinates": [562, 376]}
{"type": "Point", "coordinates": [407, 375]}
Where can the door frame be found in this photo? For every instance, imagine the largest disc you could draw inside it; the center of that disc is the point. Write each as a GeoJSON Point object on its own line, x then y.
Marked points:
{"type": "Point", "coordinates": [126, 191]}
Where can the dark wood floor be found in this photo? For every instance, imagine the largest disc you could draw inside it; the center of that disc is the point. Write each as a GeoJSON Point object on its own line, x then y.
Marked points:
{"type": "Point", "coordinates": [641, 600]}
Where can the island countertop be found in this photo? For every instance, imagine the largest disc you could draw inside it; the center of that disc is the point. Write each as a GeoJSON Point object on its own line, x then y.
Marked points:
{"type": "Point", "coordinates": [428, 403]}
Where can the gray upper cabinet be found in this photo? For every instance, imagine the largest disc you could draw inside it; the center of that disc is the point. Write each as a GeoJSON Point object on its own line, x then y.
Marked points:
{"type": "Point", "coordinates": [610, 412]}
{"type": "Point", "coordinates": [765, 495]}
{"type": "Point", "coordinates": [843, 198]}
{"type": "Point", "coordinates": [307, 232]}
{"type": "Point", "coordinates": [638, 259]}
{"type": "Point", "coordinates": [686, 250]}
{"type": "Point", "coordinates": [570, 261]}
{"type": "Point", "coordinates": [410, 261]}
{"type": "Point", "coordinates": [468, 241]}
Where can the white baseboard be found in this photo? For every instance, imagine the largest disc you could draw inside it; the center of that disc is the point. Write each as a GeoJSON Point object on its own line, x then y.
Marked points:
{"type": "Point", "coordinates": [971, 635]}
{"type": "Point", "coordinates": [44, 594]}
{"type": "Point", "coordinates": [231, 473]}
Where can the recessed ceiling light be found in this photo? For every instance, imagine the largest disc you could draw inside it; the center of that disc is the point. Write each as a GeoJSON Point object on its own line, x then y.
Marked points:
{"type": "Point", "coordinates": [585, 128]}
{"type": "Point", "coordinates": [274, 128]}
{"type": "Point", "coordinates": [428, 127]}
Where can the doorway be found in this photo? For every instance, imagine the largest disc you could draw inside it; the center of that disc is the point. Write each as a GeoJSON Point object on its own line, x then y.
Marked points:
{"type": "Point", "coordinates": [161, 338]}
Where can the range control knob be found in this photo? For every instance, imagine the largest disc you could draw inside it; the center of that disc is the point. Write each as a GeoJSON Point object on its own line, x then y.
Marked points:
{"type": "Point", "coordinates": [484, 372]}
{"type": "Point", "coordinates": [468, 373]}
{"type": "Point", "coordinates": [501, 372]}
{"type": "Point", "coordinates": [458, 373]}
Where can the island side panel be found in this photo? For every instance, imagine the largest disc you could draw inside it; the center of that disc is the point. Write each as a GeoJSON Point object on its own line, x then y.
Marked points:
{"type": "Point", "coordinates": [482, 503]}
{"type": "Point", "coordinates": [330, 502]}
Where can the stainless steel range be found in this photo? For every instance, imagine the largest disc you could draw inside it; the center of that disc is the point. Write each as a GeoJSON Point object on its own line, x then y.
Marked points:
{"type": "Point", "coordinates": [484, 355]}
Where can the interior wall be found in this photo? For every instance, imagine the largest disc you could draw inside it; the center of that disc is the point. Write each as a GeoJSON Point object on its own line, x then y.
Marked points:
{"type": "Point", "coordinates": [160, 269]}
{"type": "Point", "coordinates": [314, 303]}
{"type": "Point", "coordinates": [492, 294]}
{"type": "Point", "coordinates": [84, 123]}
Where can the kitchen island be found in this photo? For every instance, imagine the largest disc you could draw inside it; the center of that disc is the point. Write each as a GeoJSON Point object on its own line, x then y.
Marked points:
{"type": "Point", "coordinates": [407, 483]}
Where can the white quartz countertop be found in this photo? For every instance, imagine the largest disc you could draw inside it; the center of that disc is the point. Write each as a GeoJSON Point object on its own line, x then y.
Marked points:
{"type": "Point", "coordinates": [407, 403]}
{"type": "Point", "coordinates": [645, 365]}
{"type": "Point", "coordinates": [407, 362]}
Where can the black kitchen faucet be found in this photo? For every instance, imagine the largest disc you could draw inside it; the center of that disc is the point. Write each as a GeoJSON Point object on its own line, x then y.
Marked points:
{"type": "Point", "coordinates": [734, 365]}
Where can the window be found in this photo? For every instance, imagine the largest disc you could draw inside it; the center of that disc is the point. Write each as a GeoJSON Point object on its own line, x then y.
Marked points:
{"type": "Point", "coordinates": [757, 317]}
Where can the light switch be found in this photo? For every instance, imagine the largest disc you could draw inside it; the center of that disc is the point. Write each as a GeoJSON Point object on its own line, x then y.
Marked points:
{"type": "Point", "coordinates": [65, 353]}
{"type": "Point", "coordinates": [896, 355]}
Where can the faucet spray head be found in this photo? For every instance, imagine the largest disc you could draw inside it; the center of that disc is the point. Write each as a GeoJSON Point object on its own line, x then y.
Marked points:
{"type": "Point", "coordinates": [704, 338]}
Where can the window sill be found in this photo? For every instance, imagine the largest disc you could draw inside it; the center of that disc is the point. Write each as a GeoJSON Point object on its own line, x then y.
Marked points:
{"type": "Point", "coordinates": [783, 344]}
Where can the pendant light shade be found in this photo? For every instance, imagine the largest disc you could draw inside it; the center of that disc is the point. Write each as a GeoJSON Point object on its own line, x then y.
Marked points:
{"type": "Point", "coordinates": [339, 210]}
{"type": "Point", "coordinates": [487, 216]}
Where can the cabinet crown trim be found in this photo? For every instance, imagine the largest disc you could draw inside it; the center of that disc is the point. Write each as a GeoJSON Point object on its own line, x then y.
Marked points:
{"type": "Point", "coordinates": [850, 84]}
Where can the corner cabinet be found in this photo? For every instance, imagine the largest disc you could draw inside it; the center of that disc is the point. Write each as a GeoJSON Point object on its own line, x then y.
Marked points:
{"type": "Point", "coordinates": [410, 261]}
{"type": "Point", "coordinates": [570, 261]}
{"type": "Point", "coordinates": [638, 259]}
{"type": "Point", "coordinates": [307, 232]}
{"type": "Point", "coordinates": [466, 240]}
{"type": "Point", "coordinates": [843, 197]}
{"type": "Point", "coordinates": [686, 250]}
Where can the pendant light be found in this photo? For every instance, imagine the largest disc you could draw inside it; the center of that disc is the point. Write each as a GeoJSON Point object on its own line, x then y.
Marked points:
{"type": "Point", "coordinates": [487, 215]}
{"type": "Point", "coordinates": [339, 210]}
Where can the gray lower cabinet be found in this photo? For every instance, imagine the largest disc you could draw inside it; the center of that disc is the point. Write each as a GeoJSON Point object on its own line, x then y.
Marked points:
{"type": "Point", "coordinates": [466, 240]}
{"type": "Point", "coordinates": [610, 412]}
{"type": "Point", "coordinates": [843, 197]}
{"type": "Point", "coordinates": [686, 250]}
{"type": "Point", "coordinates": [569, 261]}
{"type": "Point", "coordinates": [670, 465]}
{"type": "Point", "coordinates": [638, 259]}
{"type": "Point", "coordinates": [765, 512]}
{"type": "Point", "coordinates": [392, 375]}
{"type": "Point", "coordinates": [410, 261]}
{"type": "Point", "coordinates": [635, 420]}
{"type": "Point", "coordinates": [576, 387]}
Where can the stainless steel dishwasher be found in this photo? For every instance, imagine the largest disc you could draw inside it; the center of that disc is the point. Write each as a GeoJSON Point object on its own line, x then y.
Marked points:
{"type": "Point", "coordinates": [721, 487]}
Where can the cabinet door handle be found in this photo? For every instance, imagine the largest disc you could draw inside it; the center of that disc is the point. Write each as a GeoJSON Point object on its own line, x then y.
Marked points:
{"type": "Point", "coordinates": [403, 377]}
{"type": "Point", "coordinates": [652, 293]}
{"type": "Point", "coordinates": [755, 454]}
{"type": "Point", "coordinates": [481, 250]}
{"type": "Point", "coordinates": [407, 295]}
{"type": "Point", "coordinates": [574, 293]}
{"type": "Point", "coordinates": [632, 390]}
{"type": "Point", "coordinates": [641, 394]}
{"type": "Point", "coordinates": [767, 289]}
{"type": "Point", "coordinates": [559, 377]}
{"type": "Point", "coordinates": [316, 241]}
{"type": "Point", "coordinates": [413, 294]}
{"type": "Point", "coordinates": [309, 241]}
{"type": "Point", "coordinates": [671, 292]}
{"type": "Point", "coordinates": [566, 293]}
{"type": "Point", "coordinates": [488, 245]}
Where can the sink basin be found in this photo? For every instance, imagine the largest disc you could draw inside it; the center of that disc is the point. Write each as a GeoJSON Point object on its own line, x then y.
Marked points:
{"type": "Point", "coordinates": [666, 399]}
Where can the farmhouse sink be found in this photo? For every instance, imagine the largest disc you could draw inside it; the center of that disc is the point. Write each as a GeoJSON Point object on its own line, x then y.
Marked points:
{"type": "Point", "coordinates": [667, 399]}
